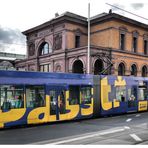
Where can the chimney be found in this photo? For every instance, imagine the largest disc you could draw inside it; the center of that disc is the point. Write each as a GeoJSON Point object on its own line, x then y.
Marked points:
{"type": "Point", "coordinates": [56, 14]}
{"type": "Point", "coordinates": [110, 11]}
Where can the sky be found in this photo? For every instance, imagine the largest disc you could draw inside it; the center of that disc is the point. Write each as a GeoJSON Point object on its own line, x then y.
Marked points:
{"type": "Point", "coordinates": [20, 15]}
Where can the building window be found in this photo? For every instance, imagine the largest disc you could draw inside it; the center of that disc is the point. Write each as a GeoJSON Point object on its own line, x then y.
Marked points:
{"type": "Point", "coordinates": [122, 41]}
{"type": "Point", "coordinates": [135, 41]}
{"type": "Point", "coordinates": [145, 47]}
{"type": "Point", "coordinates": [134, 70]}
{"type": "Point", "coordinates": [58, 68]}
{"type": "Point", "coordinates": [144, 71]}
{"type": "Point", "coordinates": [45, 48]}
{"type": "Point", "coordinates": [45, 68]}
{"type": "Point", "coordinates": [98, 67]}
{"type": "Point", "coordinates": [31, 67]}
{"type": "Point", "coordinates": [77, 41]}
{"type": "Point", "coordinates": [6, 65]}
{"type": "Point", "coordinates": [135, 44]}
{"type": "Point", "coordinates": [78, 67]}
{"type": "Point", "coordinates": [121, 69]}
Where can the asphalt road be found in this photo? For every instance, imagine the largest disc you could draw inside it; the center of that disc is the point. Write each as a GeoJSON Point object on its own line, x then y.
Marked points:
{"type": "Point", "coordinates": [125, 129]}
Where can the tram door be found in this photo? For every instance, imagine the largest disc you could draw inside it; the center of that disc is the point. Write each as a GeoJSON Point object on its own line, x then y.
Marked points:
{"type": "Point", "coordinates": [57, 100]}
{"type": "Point", "coordinates": [132, 102]}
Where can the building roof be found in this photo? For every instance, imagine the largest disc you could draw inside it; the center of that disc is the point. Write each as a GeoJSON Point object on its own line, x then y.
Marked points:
{"type": "Point", "coordinates": [67, 16]}
{"type": "Point", "coordinates": [103, 17]}
{"type": "Point", "coordinates": [98, 16]}
{"type": "Point", "coordinates": [110, 16]}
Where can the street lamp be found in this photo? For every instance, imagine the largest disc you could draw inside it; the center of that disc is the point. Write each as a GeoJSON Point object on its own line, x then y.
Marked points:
{"type": "Point", "coordinates": [88, 50]}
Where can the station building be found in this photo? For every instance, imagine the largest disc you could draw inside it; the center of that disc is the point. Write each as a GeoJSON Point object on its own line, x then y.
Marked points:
{"type": "Point", "coordinates": [119, 45]}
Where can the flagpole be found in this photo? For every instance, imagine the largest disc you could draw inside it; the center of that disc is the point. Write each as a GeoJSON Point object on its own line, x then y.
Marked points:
{"type": "Point", "coordinates": [88, 50]}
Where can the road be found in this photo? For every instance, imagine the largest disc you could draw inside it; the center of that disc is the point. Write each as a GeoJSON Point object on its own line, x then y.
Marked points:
{"type": "Point", "coordinates": [125, 129]}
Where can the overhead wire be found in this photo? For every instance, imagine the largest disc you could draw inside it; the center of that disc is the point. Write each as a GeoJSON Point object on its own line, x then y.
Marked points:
{"type": "Point", "coordinates": [127, 11]}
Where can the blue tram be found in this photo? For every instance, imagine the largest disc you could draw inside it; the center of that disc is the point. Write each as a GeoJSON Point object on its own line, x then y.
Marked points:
{"type": "Point", "coordinates": [36, 97]}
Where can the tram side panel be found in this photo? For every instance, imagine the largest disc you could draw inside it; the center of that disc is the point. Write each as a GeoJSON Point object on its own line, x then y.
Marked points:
{"type": "Point", "coordinates": [106, 102]}
{"type": "Point", "coordinates": [114, 95]}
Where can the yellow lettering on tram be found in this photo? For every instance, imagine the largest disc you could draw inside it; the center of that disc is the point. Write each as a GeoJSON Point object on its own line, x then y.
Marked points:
{"type": "Point", "coordinates": [142, 106]}
{"type": "Point", "coordinates": [73, 110]}
{"type": "Point", "coordinates": [10, 116]}
{"type": "Point", "coordinates": [34, 115]}
{"type": "Point", "coordinates": [120, 81]}
{"type": "Point", "coordinates": [105, 90]}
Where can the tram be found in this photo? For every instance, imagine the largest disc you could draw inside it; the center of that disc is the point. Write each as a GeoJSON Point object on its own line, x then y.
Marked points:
{"type": "Point", "coordinates": [37, 97]}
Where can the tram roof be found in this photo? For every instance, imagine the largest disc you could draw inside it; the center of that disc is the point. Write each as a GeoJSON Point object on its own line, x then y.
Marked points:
{"type": "Point", "coordinates": [23, 77]}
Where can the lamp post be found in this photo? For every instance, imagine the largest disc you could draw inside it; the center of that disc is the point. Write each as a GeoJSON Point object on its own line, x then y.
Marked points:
{"type": "Point", "coordinates": [88, 49]}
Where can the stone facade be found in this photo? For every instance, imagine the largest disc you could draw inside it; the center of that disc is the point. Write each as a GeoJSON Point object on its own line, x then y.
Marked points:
{"type": "Point", "coordinates": [118, 45]}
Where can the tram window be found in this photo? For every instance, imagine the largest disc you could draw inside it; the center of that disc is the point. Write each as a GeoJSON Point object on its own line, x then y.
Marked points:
{"type": "Point", "coordinates": [132, 93]}
{"type": "Point", "coordinates": [120, 93]}
{"type": "Point", "coordinates": [11, 97]}
{"type": "Point", "coordinates": [132, 96]}
{"type": "Point", "coordinates": [142, 92]}
{"type": "Point", "coordinates": [74, 94]}
{"type": "Point", "coordinates": [53, 97]}
{"type": "Point", "coordinates": [86, 95]}
{"type": "Point", "coordinates": [61, 101]}
{"type": "Point", "coordinates": [35, 96]}
{"type": "Point", "coordinates": [53, 100]}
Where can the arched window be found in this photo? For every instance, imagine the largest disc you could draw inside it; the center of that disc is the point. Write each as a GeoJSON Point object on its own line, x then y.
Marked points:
{"type": "Point", "coordinates": [98, 67]}
{"type": "Point", "coordinates": [58, 68]}
{"type": "Point", "coordinates": [135, 41]}
{"type": "Point", "coordinates": [77, 67]}
{"type": "Point", "coordinates": [134, 70]}
{"type": "Point", "coordinates": [144, 71]}
{"type": "Point", "coordinates": [5, 65]}
{"type": "Point", "coordinates": [45, 48]}
{"type": "Point", "coordinates": [121, 69]}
